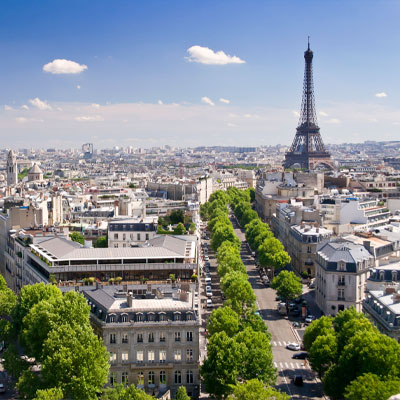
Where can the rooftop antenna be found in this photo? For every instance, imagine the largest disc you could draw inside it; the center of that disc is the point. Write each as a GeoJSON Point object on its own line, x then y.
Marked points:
{"type": "Point", "coordinates": [308, 42]}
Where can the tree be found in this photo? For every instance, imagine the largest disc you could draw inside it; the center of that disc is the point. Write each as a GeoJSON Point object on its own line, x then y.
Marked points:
{"type": "Point", "coordinates": [102, 242]}
{"type": "Point", "coordinates": [49, 394]}
{"type": "Point", "coordinates": [204, 211]}
{"type": "Point", "coordinates": [256, 390]}
{"type": "Point", "coordinates": [8, 301]}
{"type": "Point", "coordinates": [323, 353]}
{"type": "Point", "coordinates": [252, 193]}
{"type": "Point", "coordinates": [271, 253]}
{"type": "Point", "coordinates": [13, 363]}
{"type": "Point", "coordinates": [122, 392]}
{"type": "Point", "coordinates": [181, 394]}
{"type": "Point", "coordinates": [31, 295]}
{"type": "Point", "coordinates": [287, 285]}
{"type": "Point", "coordinates": [320, 327]}
{"type": "Point", "coordinates": [177, 216]}
{"type": "Point", "coordinates": [29, 384]}
{"type": "Point", "coordinates": [255, 322]}
{"type": "Point", "coordinates": [227, 249]}
{"type": "Point", "coordinates": [256, 356]}
{"type": "Point", "coordinates": [131, 185]}
{"type": "Point", "coordinates": [238, 291]}
{"type": "Point", "coordinates": [371, 387]}
{"type": "Point", "coordinates": [76, 361]}
{"type": "Point", "coordinates": [220, 370]}
{"type": "Point", "coordinates": [180, 229]}
{"type": "Point", "coordinates": [77, 237]}
{"type": "Point", "coordinates": [231, 262]}
{"type": "Point", "coordinates": [221, 234]}
{"type": "Point", "coordinates": [223, 319]}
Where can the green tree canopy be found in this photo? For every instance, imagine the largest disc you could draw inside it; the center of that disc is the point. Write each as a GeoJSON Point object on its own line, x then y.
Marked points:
{"type": "Point", "coordinates": [271, 253]}
{"type": "Point", "coordinates": [256, 356]}
{"type": "Point", "coordinates": [320, 327]}
{"type": "Point", "coordinates": [238, 291]}
{"type": "Point", "coordinates": [77, 237]}
{"type": "Point", "coordinates": [102, 242]}
{"type": "Point", "coordinates": [287, 285]}
{"type": "Point", "coordinates": [220, 370]}
{"type": "Point", "coordinates": [180, 229]}
{"type": "Point", "coordinates": [122, 392]}
{"type": "Point", "coordinates": [49, 394]}
{"type": "Point", "coordinates": [371, 387]}
{"type": "Point", "coordinates": [181, 394]}
{"type": "Point", "coordinates": [323, 353]}
{"type": "Point", "coordinates": [223, 319]}
{"type": "Point", "coordinates": [254, 389]}
{"type": "Point", "coordinates": [229, 263]}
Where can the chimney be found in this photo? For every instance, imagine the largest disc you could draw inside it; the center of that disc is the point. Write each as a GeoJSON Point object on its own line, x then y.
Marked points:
{"type": "Point", "coordinates": [367, 244]}
{"type": "Point", "coordinates": [396, 298]}
{"type": "Point", "coordinates": [391, 290]}
{"type": "Point", "coordinates": [129, 299]}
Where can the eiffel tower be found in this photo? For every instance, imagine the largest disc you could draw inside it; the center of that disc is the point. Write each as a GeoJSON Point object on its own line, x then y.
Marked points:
{"type": "Point", "coordinates": [308, 150]}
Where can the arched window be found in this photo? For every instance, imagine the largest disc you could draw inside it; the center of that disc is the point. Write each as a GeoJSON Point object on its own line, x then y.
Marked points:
{"type": "Point", "coordinates": [163, 378]}
{"type": "Point", "coordinates": [151, 378]}
{"type": "Point", "coordinates": [178, 377]}
{"type": "Point", "coordinates": [189, 376]}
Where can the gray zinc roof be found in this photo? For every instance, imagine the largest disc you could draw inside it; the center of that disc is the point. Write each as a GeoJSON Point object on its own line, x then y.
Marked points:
{"type": "Point", "coordinates": [344, 250]}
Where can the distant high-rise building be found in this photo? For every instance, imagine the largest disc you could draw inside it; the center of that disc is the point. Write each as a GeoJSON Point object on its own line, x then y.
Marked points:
{"type": "Point", "coordinates": [308, 150]}
{"type": "Point", "coordinates": [12, 172]}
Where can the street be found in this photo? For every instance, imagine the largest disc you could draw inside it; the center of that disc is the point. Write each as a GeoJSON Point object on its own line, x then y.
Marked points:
{"type": "Point", "coordinates": [282, 333]}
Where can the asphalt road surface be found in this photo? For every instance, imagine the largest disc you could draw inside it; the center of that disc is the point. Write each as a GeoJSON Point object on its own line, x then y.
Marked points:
{"type": "Point", "coordinates": [282, 334]}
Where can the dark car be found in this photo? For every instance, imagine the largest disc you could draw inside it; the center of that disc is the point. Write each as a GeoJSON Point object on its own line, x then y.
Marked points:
{"type": "Point", "coordinates": [300, 356]}
{"type": "Point", "coordinates": [298, 380]}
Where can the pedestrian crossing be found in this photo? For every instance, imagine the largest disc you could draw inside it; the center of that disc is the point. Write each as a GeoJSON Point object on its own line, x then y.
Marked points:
{"type": "Point", "coordinates": [281, 343]}
{"type": "Point", "coordinates": [291, 365]}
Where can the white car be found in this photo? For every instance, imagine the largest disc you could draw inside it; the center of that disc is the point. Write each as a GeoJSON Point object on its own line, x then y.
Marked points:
{"type": "Point", "coordinates": [209, 303]}
{"type": "Point", "coordinates": [2, 388]}
{"type": "Point", "coordinates": [206, 258]}
{"type": "Point", "coordinates": [208, 288]}
{"type": "Point", "coordinates": [293, 346]}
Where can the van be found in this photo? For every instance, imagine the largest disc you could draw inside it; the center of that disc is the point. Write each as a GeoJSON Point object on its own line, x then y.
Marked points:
{"type": "Point", "coordinates": [282, 308]}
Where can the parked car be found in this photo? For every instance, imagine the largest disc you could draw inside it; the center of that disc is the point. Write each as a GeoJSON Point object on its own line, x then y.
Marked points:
{"type": "Point", "coordinates": [298, 380]}
{"type": "Point", "coordinates": [206, 258]}
{"type": "Point", "coordinates": [209, 293]}
{"type": "Point", "coordinates": [208, 280]}
{"type": "Point", "coordinates": [300, 356]}
{"type": "Point", "coordinates": [209, 303]}
{"type": "Point", "coordinates": [265, 280]}
{"type": "Point", "coordinates": [2, 388]}
{"type": "Point", "coordinates": [296, 324]}
{"type": "Point", "coordinates": [293, 346]}
{"type": "Point", "coordinates": [309, 319]}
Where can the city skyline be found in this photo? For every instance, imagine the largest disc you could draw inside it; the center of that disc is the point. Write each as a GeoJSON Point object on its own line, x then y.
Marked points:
{"type": "Point", "coordinates": [186, 74]}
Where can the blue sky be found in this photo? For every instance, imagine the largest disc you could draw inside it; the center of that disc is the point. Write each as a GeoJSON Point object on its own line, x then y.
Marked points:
{"type": "Point", "coordinates": [136, 56]}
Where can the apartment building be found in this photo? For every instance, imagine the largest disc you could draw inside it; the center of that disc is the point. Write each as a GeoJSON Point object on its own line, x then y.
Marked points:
{"type": "Point", "coordinates": [151, 333]}
{"type": "Point", "coordinates": [341, 270]}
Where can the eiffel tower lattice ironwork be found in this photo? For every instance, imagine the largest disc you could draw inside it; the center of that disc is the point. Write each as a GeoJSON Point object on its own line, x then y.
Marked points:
{"type": "Point", "coordinates": [308, 150]}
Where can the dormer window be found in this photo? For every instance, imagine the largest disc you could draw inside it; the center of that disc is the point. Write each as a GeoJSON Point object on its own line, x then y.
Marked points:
{"type": "Point", "coordinates": [394, 276]}
{"type": "Point", "coordinates": [382, 275]}
{"type": "Point", "coordinates": [341, 266]}
{"type": "Point", "coordinates": [162, 317]}
{"type": "Point", "coordinates": [139, 317]}
{"type": "Point", "coordinates": [124, 318]}
{"type": "Point", "coordinates": [151, 316]}
{"type": "Point", "coordinates": [177, 316]}
{"type": "Point", "coordinates": [111, 318]}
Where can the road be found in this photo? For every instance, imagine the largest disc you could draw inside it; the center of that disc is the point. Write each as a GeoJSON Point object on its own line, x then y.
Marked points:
{"type": "Point", "coordinates": [282, 333]}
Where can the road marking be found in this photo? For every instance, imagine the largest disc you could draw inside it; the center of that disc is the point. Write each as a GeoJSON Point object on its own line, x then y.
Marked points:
{"type": "Point", "coordinates": [274, 343]}
{"type": "Point", "coordinates": [291, 364]}
{"type": "Point", "coordinates": [297, 365]}
{"type": "Point", "coordinates": [284, 343]}
{"type": "Point", "coordinates": [281, 365]}
{"type": "Point", "coordinates": [286, 365]}
{"type": "Point", "coordinates": [275, 364]}
{"type": "Point", "coordinates": [279, 343]}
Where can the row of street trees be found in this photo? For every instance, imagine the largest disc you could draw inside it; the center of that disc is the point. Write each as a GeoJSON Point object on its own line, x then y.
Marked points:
{"type": "Point", "coordinates": [354, 360]}
{"type": "Point", "coordinates": [239, 363]}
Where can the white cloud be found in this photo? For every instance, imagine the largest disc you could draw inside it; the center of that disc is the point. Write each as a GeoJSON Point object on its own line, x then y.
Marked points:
{"type": "Point", "coordinates": [41, 105]}
{"type": "Point", "coordinates": [62, 66]}
{"type": "Point", "coordinates": [207, 100]}
{"type": "Point", "coordinates": [333, 121]}
{"type": "Point", "coordinates": [204, 55]}
{"type": "Point", "coordinates": [89, 118]}
{"type": "Point", "coordinates": [23, 120]}
{"type": "Point", "coordinates": [78, 86]}
{"type": "Point", "coordinates": [95, 105]}
{"type": "Point", "coordinates": [231, 125]}
{"type": "Point", "coordinates": [222, 100]}
{"type": "Point", "coordinates": [323, 114]}
{"type": "Point", "coordinates": [160, 102]}
{"type": "Point", "coordinates": [381, 94]}
{"type": "Point", "coordinates": [25, 107]}
{"type": "Point", "coordinates": [247, 115]}
{"type": "Point", "coordinates": [7, 107]}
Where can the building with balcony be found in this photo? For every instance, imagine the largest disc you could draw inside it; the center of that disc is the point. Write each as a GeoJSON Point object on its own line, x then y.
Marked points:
{"type": "Point", "coordinates": [383, 309]}
{"type": "Point", "coordinates": [341, 270]}
{"type": "Point", "coordinates": [151, 333]}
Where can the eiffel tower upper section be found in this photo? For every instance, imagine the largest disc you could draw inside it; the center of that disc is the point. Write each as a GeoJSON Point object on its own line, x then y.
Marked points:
{"type": "Point", "coordinates": [308, 150]}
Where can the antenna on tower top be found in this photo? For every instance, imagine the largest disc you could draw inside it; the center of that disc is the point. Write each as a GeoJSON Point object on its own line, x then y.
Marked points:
{"type": "Point", "coordinates": [308, 42]}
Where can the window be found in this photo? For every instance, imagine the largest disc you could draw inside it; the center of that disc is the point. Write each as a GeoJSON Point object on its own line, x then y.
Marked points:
{"type": "Point", "coordinates": [147, 236]}
{"type": "Point", "coordinates": [124, 378]}
{"type": "Point", "coordinates": [189, 336]}
{"type": "Point", "coordinates": [308, 249]}
{"type": "Point", "coordinates": [189, 376]}
{"type": "Point", "coordinates": [140, 337]}
{"type": "Point", "coordinates": [162, 336]}
{"type": "Point", "coordinates": [177, 355]}
{"type": "Point", "coordinates": [151, 337]}
{"type": "Point", "coordinates": [189, 355]}
{"type": "Point", "coordinates": [139, 356]}
{"type": "Point", "coordinates": [162, 317]}
{"type": "Point", "coordinates": [113, 378]}
{"type": "Point", "coordinates": [150, 356]}
{"type": "Point", "coordinates": [150, 317]}
{"type": "Point", "coordinates": [151, 378]}
{"type": "Point", "coordinates": [112, 318]}
{"type": "Point", "coordinates": [177, 317]}
{"type": "Point", "coordinates": [138, 236]}
{"type": "Point", "coordinates": [112, 338]}
{"type": "Point", "coordinates": [124, 356]}
{"type": "Point", "coordinates": [341, 280]}
{"type": "Point", "coordinates": [163, 356]}
{"type": "Point", "coordinates": [139, 317]}
{"type": "Point", "coordinates": [163, 378]}
{"type": "Point", "coordinates": [341, 294]}
{"type": "Point", "coordinates": [124, 338]}
{"type": "Point", "coordinates": [113, 357]}
{"type": "Point", "coordinates": [124, 318]}
{"type": "Point", "coordinates": [177, 336]}
{"type": "Point", "coordinates": [178, 377]}
{"type": "Point", "coordinates": [140, 378]}
{"type": "Point", "coordinates": [131, 236]}
{"type": "Point", "coordinates": [123, 236]}
{"type": "Point", "coordinates": [116, 236]}
{"type": "Point", "coordinates": [189, 316]}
